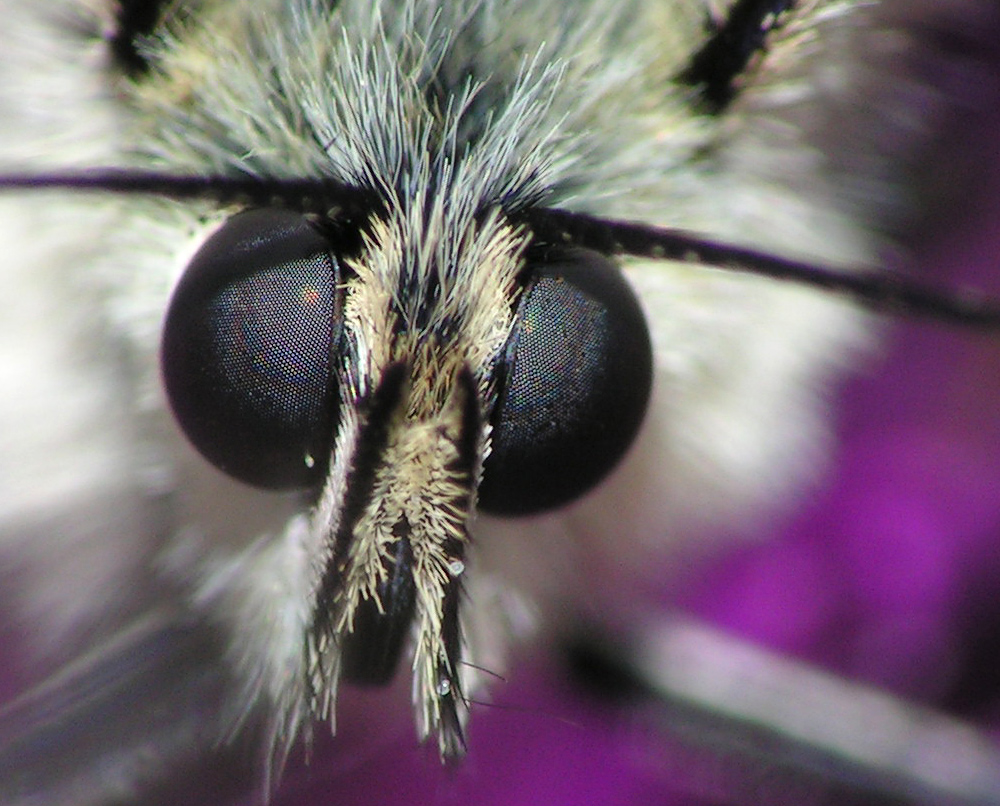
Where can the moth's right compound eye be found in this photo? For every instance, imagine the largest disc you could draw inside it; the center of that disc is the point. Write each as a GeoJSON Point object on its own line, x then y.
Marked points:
{"type": "Point", "coordinates": [248, 347]}
{"type": "Point", "coordinates": [575, 379]}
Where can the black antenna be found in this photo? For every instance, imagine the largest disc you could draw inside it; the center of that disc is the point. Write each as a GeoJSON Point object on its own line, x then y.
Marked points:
{"type": "Point", "coordinates": [326, 197]}
{"type": "Point", "coordinates": [873, 288]}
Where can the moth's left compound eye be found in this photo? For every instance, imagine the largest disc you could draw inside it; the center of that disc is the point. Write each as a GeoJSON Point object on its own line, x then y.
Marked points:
{"type": "Point", "coordinates": [248, 347]}
{"type": "Point", "coordinates": [574, 382]}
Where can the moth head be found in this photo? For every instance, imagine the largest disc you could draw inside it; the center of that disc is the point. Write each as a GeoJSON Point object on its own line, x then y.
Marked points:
{"type": "Point", "coordinates": [404, 373]}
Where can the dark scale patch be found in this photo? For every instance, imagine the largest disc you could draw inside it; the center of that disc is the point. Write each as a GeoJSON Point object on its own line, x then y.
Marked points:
{"type": "Point", "coordinates": [136, 19]}
{"type": "Point", "coordinates": [715, 69]}
{"type": "Point", "coordinates": [371, 653]}
{"type": "Point", "coordinates": [414, 285]}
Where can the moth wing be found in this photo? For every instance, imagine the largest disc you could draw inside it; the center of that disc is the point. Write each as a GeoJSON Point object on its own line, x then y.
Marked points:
{"type": "Point", "coordinates": [109, 597]}
{"type": "Point", "coordinates": [134, 719]}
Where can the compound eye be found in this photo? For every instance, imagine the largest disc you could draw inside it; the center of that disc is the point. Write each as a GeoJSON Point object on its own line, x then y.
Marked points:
{"type": "Point", "coordinates": [575, 378]}
{"type": "Point", "coordinates": [247, 351]}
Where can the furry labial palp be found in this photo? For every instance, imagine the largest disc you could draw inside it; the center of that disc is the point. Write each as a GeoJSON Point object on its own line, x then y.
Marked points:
{"type": "Point", "coordinates": [388, 304]}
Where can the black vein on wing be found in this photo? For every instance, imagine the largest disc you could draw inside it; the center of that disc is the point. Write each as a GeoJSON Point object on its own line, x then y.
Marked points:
{"type": "Point", "coordinates": [715, 69]}
{"type": "Point", "coordinates": [135, 21]}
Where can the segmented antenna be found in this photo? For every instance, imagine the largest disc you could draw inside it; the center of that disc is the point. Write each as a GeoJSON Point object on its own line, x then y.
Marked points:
{"type": "Point", "coordinates": [326, 197]}
{"type": "Point", "coordinates": [873, 288]}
